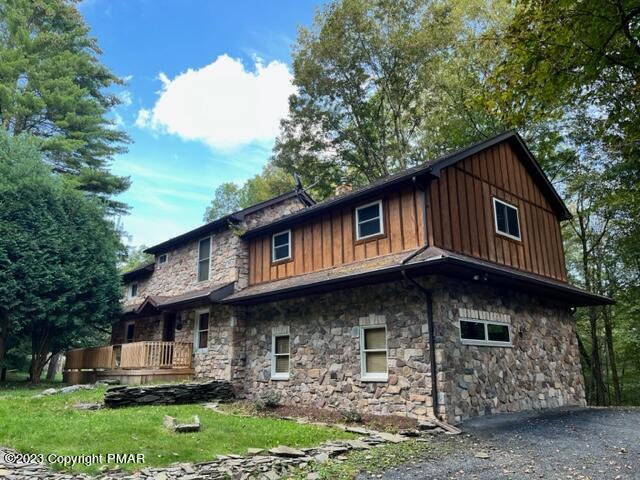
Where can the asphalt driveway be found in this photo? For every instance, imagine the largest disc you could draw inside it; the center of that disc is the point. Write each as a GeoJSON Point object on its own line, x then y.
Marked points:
{"type": "Point", "coordinates": [588, 443]}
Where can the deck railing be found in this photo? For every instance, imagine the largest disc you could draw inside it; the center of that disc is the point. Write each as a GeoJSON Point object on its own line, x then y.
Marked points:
{"type": "Point", "coordinates": [136, 355]}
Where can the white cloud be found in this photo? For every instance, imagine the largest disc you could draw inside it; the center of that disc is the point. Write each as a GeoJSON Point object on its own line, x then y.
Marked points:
{"type": "Point", "coordinates": [126, 98]}
{"type": "Point", "coordinates": [222, 104]}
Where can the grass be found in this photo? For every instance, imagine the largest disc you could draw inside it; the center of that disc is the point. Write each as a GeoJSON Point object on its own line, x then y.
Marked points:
{"type": "Point", "coordinates": [376, 460]}
{"type": "Point", "coordinates": [50, 425]}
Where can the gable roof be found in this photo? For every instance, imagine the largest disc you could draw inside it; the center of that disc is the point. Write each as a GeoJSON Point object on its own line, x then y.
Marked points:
{"type": "Point", "coordinates": [223, 222]}
{"type": "Point", "coordinates": [431, 169]}
{"type": "Point", "coordinates": [143, 270]}
{"type": "Point", "coordinates": [153, 304]}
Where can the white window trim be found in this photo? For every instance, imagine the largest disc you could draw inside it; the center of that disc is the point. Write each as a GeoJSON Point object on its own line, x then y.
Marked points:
{"type": "Point", "coordinates": [279, 375]}
{"type": "Point", "coordinates": [380, 210]}
{"type": "Point", "coordinates": [165, 255]}
{"type": "Point", "coordinates": [485, 343]}
{"type": "Point", "coordinates": [196, 330]}
{"type": "Point", "coordinates": [198, 261]}
{"type": "Point", "coordinates": [126, 329]}
{"type": "Point", "coordinates": [130, 289]}
{"type": "Point", "coordinates": [372, 377]}
{"type": "Point", "coordinates": [495, 219]}
{"type": "Point", "coordinates": [273, 247]}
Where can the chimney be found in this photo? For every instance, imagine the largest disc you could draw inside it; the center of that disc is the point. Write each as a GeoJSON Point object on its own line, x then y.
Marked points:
{"type": "Point", "coordinates": [343, 187]}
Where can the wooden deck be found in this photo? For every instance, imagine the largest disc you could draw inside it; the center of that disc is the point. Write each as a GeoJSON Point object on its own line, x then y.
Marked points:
{"type": "Point", "coordinates": [130, 363]}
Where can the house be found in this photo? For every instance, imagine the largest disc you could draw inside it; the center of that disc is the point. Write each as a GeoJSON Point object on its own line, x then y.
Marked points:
{"type": "Point", "coordinates": [440, 290]}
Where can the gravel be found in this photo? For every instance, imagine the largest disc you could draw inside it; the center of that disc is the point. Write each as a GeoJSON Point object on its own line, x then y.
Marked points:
{"type": "Point", "coordinates": [585, 443]}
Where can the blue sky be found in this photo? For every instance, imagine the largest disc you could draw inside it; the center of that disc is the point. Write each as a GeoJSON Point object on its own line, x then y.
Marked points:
{"type": "Point", "coordinates": [207, 85]}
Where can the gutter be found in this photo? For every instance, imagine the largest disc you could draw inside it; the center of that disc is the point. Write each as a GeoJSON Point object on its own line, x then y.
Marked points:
{"type": "Point", "coordinates": [428, 301]}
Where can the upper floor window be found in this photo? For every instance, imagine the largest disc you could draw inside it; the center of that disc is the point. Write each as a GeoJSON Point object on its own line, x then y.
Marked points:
{"type": "Point", "coordinates": [202, 330]}
{"type": "Point", "coordinates": [506, 216]}
{"type": "Point", "coordinates": [281, 246]}
{"type": "Point", "coordinates": [133, 290]}
{"type": "Point", "coordinates": [369, 221]}
{"type": "Point", "coordinates": [204, 255]}
{"type": "Point", "coordinates": [163, 258]}
{"type": "Point", "coordinates": [373, 352]}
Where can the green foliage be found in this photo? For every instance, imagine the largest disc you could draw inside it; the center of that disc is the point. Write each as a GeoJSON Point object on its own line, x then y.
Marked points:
{"type": "Point", "coordinates": [268, 401]}
{"type": "Point", "coordinates": [53, 86]}
{"type": "Point", "coordinates": [135, 258]}
{"type": "Point", "coordinates": [230, 197]}
{"type": "Point", "coordinates": [59, 280]}
{"type": "Point", "coordinates": [28, 423]}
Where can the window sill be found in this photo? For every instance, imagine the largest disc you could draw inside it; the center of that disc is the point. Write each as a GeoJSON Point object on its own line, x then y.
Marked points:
{"type": "Point", "coordinates": [280, 376]}
{"type": "Point", "coordinates": [475, 343]}
{"type": "Point", "coordinates": [201, 350]}
{"type": "Point", "coordinates": [375, 378]}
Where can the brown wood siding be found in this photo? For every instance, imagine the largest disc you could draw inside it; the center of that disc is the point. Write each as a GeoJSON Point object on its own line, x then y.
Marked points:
{"type": "Point", "coordinates": [459, 215]}
{"type": "Point", "coordinates": [461, 209]}
{"type": "Point", "coordinates": [329, 240]}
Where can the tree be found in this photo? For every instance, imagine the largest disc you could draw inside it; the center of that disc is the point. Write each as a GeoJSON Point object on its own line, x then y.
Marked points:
{"type": "Point", "coordinates": [230, 197]}
{"type": "Point", "coordinates": [53, 86]}
{"type": "Point", "coordinates": [136, 257]}
{"type": "Point", "coordinates": [59, 280]}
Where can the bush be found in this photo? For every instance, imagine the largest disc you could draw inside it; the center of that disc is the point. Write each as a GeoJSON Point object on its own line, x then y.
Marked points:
{"type": "Point", "coordinates": [353, 416]}
{"type": "Point", "coordinates": [268, 401]}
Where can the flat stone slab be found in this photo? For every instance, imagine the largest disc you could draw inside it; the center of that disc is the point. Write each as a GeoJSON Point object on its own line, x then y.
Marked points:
{"type": "Point", "coordinates": [283, 451]}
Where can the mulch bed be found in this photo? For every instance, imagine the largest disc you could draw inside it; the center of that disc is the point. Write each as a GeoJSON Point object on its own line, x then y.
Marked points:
{"type": "Point", "coordinates": [390, 423]}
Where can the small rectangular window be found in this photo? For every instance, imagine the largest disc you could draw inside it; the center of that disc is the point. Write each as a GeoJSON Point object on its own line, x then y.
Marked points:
{"type": "Point", "coordinates": [373, 345]}
{"type": "Point", "coordinates": [202, 330]}
{"type": "Point", "coordinates": [506, 217]}
{"type": "Point", "coordinates": [280, 358]}
{"type": "Point", "coordinates": [163, 258]}
{"type": "Point", "coordinates": [479, 332]}
{"type": "Point", "coordinates": [281, 246]}
{"type": "Point", "coordinates": [204, 254]}
{"type": "Point", "coordinates": [369, 221]}
{"type": "Point", "coordinates": [130, 330]}
{"type": "Point", "coordinates": [133, 290]}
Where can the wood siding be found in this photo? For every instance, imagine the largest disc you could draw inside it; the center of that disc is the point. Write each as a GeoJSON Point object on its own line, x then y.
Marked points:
{"type": "Point", "coordinates": [459, 215]}
{"type": "Point", "coordinates": [462, 218]}
{"type": "Point", "coordinates": [329, 240]}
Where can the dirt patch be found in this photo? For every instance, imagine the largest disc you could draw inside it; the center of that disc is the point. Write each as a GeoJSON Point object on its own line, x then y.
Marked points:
{"type": "Point", "coordinates": [389, 423]}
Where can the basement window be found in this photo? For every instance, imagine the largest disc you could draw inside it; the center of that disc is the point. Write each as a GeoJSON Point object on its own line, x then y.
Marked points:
{"type": "Point", "coordinates": [281, 246]}
{"type": "Point", "coordinates": [280, 358]}
{"type": "Point", "coordinates": [373, 353]}
{"type": "Point", "coordinates": [506, 218]}
{"type": "Point", "coordinates": [369, 221]}
{"type": "Point", "coordinates": [480, 332]}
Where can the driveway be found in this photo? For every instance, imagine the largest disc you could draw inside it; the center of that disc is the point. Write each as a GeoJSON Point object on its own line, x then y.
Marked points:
{"type": "Point", "coordinates": [586, 443]}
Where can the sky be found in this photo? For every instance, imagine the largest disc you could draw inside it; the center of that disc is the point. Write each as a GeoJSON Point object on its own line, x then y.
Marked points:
{"type": "Point", "coordinates": [207, 82]}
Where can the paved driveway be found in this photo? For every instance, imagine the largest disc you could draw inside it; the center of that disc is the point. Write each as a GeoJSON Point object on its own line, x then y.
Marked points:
{"type": "Point", "coordinates": [588, 443]}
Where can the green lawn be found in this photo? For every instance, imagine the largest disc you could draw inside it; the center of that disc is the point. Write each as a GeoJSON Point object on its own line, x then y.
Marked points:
{"type": "Point", "coordinates": [51, 425]}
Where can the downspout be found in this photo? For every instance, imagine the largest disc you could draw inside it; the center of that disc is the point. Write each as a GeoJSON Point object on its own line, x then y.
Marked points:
{"type": "Point", "coordinates": [428, 302]}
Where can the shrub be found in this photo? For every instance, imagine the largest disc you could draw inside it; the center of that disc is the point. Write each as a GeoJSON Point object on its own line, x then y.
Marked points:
{"type": "Point", "coordinates": [353, 416]}
{"type": "Point", "coordinates": [268, 401]}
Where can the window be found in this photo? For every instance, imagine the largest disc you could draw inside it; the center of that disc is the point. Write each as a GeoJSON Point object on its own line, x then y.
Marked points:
{"type": "Point", "coordinates": [373, 352]}
{"type": "Point", "coordinates": [479, 332]}
{"type": "Point", "coordinates": [129, 332]}
{"type": "Point", "coordinates": [204, 254]}
{"type": "Point", "coordinates": [133, 290]}
{"type": "Point", "coordinates": [280, 357]}
{"type": "Point", "coordinates": [506, 216]}
{"type": "Point", "coordinates": [202, 330]}
{"type": "Point", "coordinates": [369, 220]}
{"type": "Point", "coordinates": [281, 246]}
{"type": "Point", "coordinates": [163, 258]}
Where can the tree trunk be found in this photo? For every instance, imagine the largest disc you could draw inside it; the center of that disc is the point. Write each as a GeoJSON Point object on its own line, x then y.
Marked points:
{"type": "Point", "coordinates": [608, 329]}
{"type": "Point", "coordinates": [4, 333]}
{"type": "Point", "coordinates": [596, 363]}
{"type": "Point", "coordinates": [39, 353]}
{"type": "Point", "coordinates": [53, 367]}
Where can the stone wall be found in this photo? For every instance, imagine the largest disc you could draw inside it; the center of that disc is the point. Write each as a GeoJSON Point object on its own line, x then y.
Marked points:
{"type": "Point", "coordinates": [146, 329]}
{"type": "Point", "coordinates": [541, 370]}
{"type": "Point", "coordinates": [171, 394]}
{"type": "Point", "coordinates": [325, 350]}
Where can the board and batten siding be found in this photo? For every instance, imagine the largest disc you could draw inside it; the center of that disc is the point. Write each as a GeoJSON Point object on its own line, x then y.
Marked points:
{"type": "Point", "coordinates": [460, 218]}
{"type": "Point", "coordinates": [461, 215]}
{"type": "Point", "coordinates": [329, 240]}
